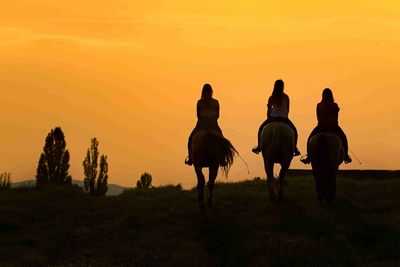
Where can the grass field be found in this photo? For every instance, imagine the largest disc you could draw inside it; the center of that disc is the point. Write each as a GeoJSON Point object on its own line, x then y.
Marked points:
{"type": "Point", "coordinates": [165, 227]}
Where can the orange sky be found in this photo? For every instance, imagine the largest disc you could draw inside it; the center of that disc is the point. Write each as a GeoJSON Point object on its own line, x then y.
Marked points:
{"type": "Point", "coordinates": [130, 73]}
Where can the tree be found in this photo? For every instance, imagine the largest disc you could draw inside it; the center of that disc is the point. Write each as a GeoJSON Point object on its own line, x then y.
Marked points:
{"type": "Point", "coordinates": [90, 166]}
{"type": "Point", "coordinates": [103, 176]}
{"type": "Point", "coordinates": [54, 161]}
{"type": "Point", "coordinates": [144, 181]}
{"type": "Point", "coordinates": [5, 181]}
{"type": "Point", "coordinates": [91, 184]}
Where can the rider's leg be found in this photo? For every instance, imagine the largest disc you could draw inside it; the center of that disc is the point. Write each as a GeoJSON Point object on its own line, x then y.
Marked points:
{"type": "Point", "coordinates": [290, 123]}
{"type": "Point", "coordinates": [257, 149]}
{"type": "Point", "coordinates": [342, 135]}
{"type": "Point", "coordinates": [188, 160]}
{"type": "Point", "coordinates": [307, 160]}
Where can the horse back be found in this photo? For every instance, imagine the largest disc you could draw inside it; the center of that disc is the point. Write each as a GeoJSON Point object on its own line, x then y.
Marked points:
{"type": "Point", "coordinates": [210, 148]}
{"type": "Point", "coordinates": [326, 150]}
{"type": "Point", "coordinates": [278, 142]}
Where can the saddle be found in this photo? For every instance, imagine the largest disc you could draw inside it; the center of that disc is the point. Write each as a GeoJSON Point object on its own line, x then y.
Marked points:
{"type": "Point", "coordinates": [327, 128]}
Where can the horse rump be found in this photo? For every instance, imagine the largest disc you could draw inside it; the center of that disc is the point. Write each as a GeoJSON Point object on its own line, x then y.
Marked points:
{"type": "Point", "coordinates": [325, 161]}
{"type": "Point", "coordinates": [321, 152]}
{"type": "Point", "coordinates": [210, 149]}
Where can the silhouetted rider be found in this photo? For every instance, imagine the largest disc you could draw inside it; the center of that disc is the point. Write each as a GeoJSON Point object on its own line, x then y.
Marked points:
{"type": "Point", "coordinates": [277, 110]}
{"type": "Point", "coordinates": [328, 121]}
{"type": "Point", "coordinates": [207, 116]}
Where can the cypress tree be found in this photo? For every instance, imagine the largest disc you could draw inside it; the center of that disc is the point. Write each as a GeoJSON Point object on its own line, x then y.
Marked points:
{"type": "Point", "coordinates": [93, 183]}
{"type": "Point", "coordinates": [103, 176]}
{"type": "Point", "coordinates": [54, 161]}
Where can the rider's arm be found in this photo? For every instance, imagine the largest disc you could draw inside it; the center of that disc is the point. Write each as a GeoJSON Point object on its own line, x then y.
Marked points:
{"type": "Point", "coordinates": [337, 112]}
{"type": "Point", "coordinates": [269, 108]}
{"type": "Point", "coordinates": [217, 109]}
{"type": "Point", "coordinates": [198, 109]}
{"type": "Point", "coordinates": [288, 103]}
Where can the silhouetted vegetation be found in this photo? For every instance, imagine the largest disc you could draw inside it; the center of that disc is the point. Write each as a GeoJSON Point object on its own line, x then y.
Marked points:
{"type": "Point", "coordinates": [5, 181]}
{"type": "Point", "coordinates": [93, 183]}
{"type": "Point", "coordinates": [144, 181]}
{"type": "Point", "coordinates": [54, 161]}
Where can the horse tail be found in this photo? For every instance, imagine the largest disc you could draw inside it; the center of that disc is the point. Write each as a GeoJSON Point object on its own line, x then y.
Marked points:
{"type": "Point", "coordinates": [224, 151]}
{"type": "Point", "coordinates": [321, 156]}
{"type": "Point", "coordinates": [229, 152]}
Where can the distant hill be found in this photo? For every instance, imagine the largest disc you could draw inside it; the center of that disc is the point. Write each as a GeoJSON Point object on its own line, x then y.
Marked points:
{"type": "Point", "coordinates": [113, 189]}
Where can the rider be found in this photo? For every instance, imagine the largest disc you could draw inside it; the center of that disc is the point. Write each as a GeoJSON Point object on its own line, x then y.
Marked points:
{"type": "Point", "coordinates": [278, 110]}
{"type": "Point", "coordinates": [327, 115]}
{"type": "Point", "coordinates": [207, 116]}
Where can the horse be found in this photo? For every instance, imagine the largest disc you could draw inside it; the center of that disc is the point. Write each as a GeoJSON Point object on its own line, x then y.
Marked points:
{"type": "Point", "coordinates": [210, 150]}
{"type": "Point", "coordinates": [327, 153]}
{"type": "Point", "coordinates": [277, 147]}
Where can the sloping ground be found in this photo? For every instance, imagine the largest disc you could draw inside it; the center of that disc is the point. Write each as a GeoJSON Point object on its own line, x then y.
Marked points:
{"type": "Point", "coordinates": [165, 227]}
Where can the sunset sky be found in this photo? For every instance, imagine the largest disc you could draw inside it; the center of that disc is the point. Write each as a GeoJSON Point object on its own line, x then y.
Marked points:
{"type": "Point", "coordinates": [130, 73]}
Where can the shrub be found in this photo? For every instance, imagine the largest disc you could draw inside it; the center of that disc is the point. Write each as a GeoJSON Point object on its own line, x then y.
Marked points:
{"type": "Point", "coordinates": [144, 181]}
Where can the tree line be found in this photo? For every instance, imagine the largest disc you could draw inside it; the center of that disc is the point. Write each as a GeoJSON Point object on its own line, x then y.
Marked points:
{"type": "Point", "coordinates": [53, 165]}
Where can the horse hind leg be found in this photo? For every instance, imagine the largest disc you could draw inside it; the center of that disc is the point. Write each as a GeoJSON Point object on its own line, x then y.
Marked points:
{"type": "Point", "coordinates": [329, 195]}
{"type": "Point", "coordinates": [331, 187]}
{"type": "Point", "coordinates": [200, 184]}
{"type": "Point", "coordinates": [211, 182]}
{"type": "Point", "coordinates": [269, 170]}
{"type": "Point", "coordinates": [318, 176]}
{"type": "Point", "coordinates": [282, 175]}
{"type": "Point", "coordinates": [320, 189]}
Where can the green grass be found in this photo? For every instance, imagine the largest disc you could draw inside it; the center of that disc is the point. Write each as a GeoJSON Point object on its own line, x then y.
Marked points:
{"type": "Point", "coordinates": [165, 227]}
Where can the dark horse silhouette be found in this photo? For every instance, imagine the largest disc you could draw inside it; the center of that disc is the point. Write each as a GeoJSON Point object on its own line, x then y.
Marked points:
{"type": "Point", "coordinates": [327, 153]}
{"type": "Point", "coordinates": [277, 147]}
{"type": "Point", "coordinates": [210, 150]}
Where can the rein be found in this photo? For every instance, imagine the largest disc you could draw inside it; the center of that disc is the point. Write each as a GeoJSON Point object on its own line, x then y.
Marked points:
{"type": "Point", "coordinates": [359, 162]}
{"type": "Point", "coordinates": [247, 166]}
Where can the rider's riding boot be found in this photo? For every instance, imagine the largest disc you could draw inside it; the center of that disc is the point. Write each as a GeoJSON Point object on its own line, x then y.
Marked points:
{"type": "Point", "coordinates": [306, 160]}
{"type": "Point", "coordinates": [297, 152]}
{"type": "Point", "coordinates": [347, 159]}
{"type": "Point", "coordinates": [188, 161]}
{"type": "Point", "coordinates": [256, 149]}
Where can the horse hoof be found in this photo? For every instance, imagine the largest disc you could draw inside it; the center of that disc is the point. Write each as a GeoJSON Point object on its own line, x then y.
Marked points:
{"type": "Point", "coordinates": [330, 199]}
{"type": "Point", "coordinates": [209, 202]}
{"type": "Point", "coordinates": [280, 195]}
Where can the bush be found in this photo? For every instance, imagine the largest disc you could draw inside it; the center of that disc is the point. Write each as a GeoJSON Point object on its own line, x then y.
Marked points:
{"type": "Point", "coordinates": [144, 181]}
